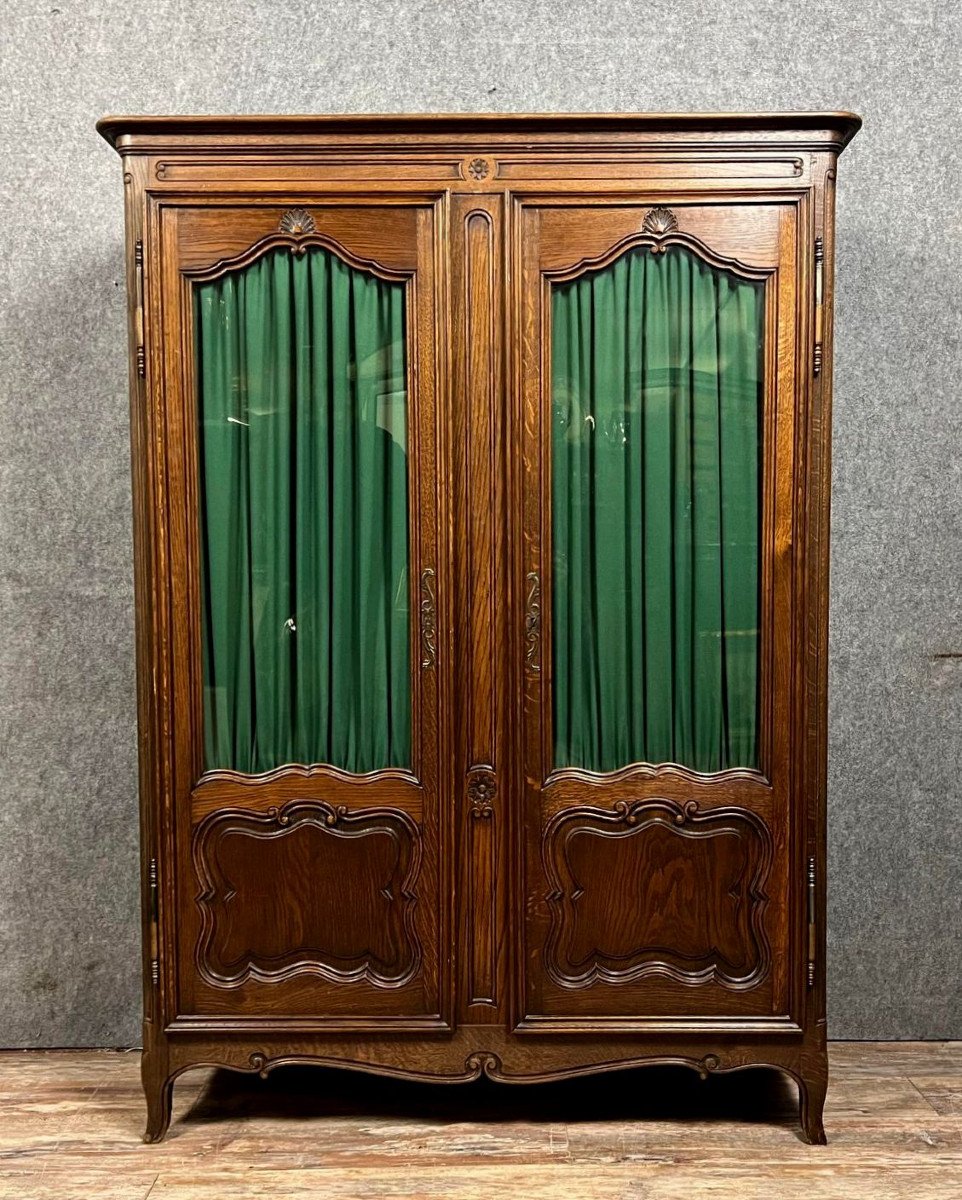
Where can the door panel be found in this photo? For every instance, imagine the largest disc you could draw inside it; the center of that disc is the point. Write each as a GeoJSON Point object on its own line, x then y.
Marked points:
{"type": "Point", "coordinates": [705, 924]}
{"type": "Point", "coordinates": [309, 593]}
{"type": "Point", "coordinates": [656, 518]}
{"type": "Point", "coordinates": [254, 928]}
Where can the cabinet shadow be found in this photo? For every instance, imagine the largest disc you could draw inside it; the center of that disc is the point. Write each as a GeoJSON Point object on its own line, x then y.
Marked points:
{"type": "Point", "coordinates": [656, 1094]}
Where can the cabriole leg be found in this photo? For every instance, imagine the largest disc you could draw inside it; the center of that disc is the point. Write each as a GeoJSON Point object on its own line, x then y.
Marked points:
{"type": "Point", "coordinates": [159, 1093]}
{"type": "Point", "coordinates": [812, 1087]}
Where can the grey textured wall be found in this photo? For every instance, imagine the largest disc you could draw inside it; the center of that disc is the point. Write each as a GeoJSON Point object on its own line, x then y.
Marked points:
{"type": "Point", "coordinates": [68, 894]}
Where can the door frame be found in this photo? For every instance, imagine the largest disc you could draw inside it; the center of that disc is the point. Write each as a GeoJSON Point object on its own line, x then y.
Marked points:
{"type": "Point", "coordinates": [194, 236]}
{"type": "Point", "coordinates": [774, 790]}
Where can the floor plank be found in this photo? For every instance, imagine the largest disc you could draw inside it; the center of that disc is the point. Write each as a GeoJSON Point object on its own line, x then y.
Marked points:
{"type": "Point", "coordinates": [942, 1091]}
{"type": "Point", "coordinates": [70, 1124]}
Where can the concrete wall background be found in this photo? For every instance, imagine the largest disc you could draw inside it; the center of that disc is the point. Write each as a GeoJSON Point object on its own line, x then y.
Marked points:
{"type": "Point", "coordinates": [68, 868]}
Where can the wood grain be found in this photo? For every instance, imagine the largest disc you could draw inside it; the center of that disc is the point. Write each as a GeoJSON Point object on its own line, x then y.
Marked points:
{"type": "Point", "coordinates": [475, 214]}
{"type": "Point", "coordinates": [70, 1130]}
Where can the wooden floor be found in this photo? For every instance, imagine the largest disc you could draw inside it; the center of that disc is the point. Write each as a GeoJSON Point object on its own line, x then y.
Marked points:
{"type": "Point", "coordinates": [70, 1124]}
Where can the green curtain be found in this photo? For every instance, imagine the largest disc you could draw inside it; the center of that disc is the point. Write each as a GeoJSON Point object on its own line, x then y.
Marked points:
{"type": "Point", "coordinates": [304, 515]}
{"type": "Point", "coordinates": [656, 446]}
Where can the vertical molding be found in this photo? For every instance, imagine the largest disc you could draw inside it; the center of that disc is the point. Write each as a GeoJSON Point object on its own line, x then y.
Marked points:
{"type": "Point", "coordinates": [478, 394]}
{"type": "Point", "coordinates": [483, 828]}
{"type": "Point", "coordinates": [148, 502]}
{"type": "Point", "coordinates": [818, 547]}
{"type": "Point", "coordinates": [480, 476]}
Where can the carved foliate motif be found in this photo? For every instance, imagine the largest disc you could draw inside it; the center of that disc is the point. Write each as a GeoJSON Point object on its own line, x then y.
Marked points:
{"type": "Point", "coordinates": [484, 1062]}
{"type": "Point", "coordinates": [482, 789]}
{"type": "Point", "coordinates": [476, 168]}
{"type": "Point", "coordinates": [429, 620]}
{"type": "Point", "coordinates": [532, 623]}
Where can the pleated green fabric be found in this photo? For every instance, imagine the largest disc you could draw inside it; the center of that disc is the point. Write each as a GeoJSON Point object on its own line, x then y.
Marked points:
{"type": "Point", "coordinates": [656, 448]}
{"type": "Point", "coordinates": [301, 383]}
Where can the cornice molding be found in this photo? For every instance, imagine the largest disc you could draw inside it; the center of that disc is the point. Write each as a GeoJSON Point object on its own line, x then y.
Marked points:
{"type": "Point", "coordinates": [186, 134]}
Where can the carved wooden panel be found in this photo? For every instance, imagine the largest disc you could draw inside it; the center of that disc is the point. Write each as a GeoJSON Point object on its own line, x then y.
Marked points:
{"type": "Point", "coordinates": [345, 912]}
{"type": "Point", "coordinates": [380, 237]}
{"type": "Point", "coordinates": [660, 888]}
{"type": "Point", "coordinates": [747, 234]}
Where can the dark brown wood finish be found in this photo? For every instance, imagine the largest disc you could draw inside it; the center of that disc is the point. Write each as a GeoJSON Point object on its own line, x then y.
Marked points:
{"type": "Point", "coordinates": [396, 242]}
{"type": "Point", "coordinates": [68, 1121]}
{"type": "Point", "coordinates": [560, 239]}
{"type": "Point", "coordinates": [449, 946]}
{"type": "Point", "coordinates": [477, 275]}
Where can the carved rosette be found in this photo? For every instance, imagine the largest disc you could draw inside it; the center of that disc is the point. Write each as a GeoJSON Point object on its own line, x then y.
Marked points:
{"type": "Point", "coordinates": [476, 168]}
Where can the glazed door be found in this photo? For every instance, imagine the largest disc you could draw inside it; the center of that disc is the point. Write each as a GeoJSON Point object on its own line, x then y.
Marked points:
{"type": "Point", "coordinates": [308, 646]}
{"type": "Point", "coordinates": [655, 570]}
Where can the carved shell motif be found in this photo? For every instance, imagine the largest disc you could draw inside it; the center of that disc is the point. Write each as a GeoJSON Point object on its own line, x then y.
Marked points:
{"type": "Point", "coordinates": [297, 222]}
{"type": "Point", "coordinates": [659, 221]}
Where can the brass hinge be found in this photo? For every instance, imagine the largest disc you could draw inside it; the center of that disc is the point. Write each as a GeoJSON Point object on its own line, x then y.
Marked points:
{"type": "Point", "coordinates": [153, 910]}
{"type": "Point", "coordinates": [819, 298]}
{"type": "Point", "coordinates": [811, 922]}
{"type": "Point", "coordinates": [139, 312]}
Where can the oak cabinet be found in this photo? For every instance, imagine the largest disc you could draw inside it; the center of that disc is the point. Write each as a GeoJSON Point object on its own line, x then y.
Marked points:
{"type": "Point", "coordinates": [481, 474]}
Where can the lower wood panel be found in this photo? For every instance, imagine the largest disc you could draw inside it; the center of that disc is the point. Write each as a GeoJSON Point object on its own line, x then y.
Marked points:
{"type": "Point", "coordinates": [309, 888]}
{"type": "Point", "coordinates": [703, 923]}
{"type": "Point", "coordinates": [651, 908]}
{"type": "Point", "coordinates": [70, 1126]}
{"type": "Point", "coordinates": [314, 911]}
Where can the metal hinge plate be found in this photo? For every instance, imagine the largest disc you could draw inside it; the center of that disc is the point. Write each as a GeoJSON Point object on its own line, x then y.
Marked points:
{"type": "Point", "coordinates": [139, 314]}
{"type": "Point", "coordinates": [819, 301]}
{"type": "Point", "coordinates": [811, 922]}
{"type": "Point", "coordinates": [154, 907]}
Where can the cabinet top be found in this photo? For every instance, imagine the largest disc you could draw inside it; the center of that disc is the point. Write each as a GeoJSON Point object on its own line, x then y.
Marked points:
{"type": "Point", "coordinates": [814, 131]}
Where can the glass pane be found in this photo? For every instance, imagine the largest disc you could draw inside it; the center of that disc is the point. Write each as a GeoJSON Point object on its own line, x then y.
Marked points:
{"type": "Point", "coordinates": [656, 449]}
{"type": "Point", "coordinates": [301, 384]}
